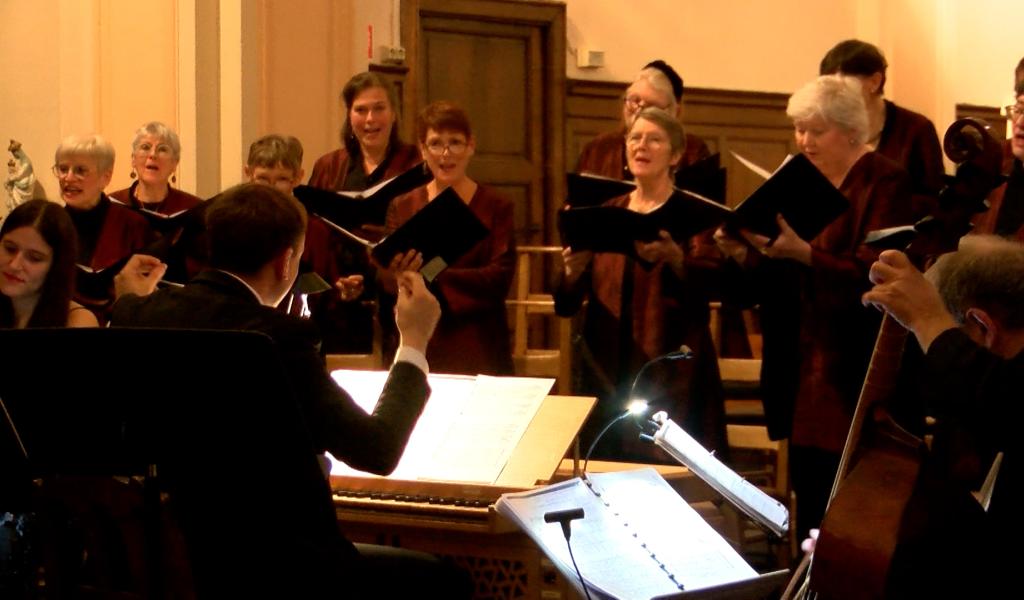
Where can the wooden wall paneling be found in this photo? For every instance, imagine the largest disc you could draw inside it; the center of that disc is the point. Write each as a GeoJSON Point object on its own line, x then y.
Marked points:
{"type": "Point", "coordinates": [991, 114]}
{"type": "Point", "coordinates": [753, 124]}
{"type": "Point", "coordinates": [504, 63]}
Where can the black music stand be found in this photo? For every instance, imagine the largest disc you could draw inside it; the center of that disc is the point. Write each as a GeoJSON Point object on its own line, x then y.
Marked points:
{"type": "Point", "coordinates": [212, 415]}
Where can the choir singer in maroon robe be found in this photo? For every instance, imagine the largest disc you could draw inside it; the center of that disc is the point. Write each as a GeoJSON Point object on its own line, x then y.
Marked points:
{"type": "Point", "coordinates": [472, 337]}
{"type": "Point", "coordinates": [817, 335]}
{"type": "Point", "coordinates": [636, 312]}
{"type": "Point", "coordinates": [156, 151]}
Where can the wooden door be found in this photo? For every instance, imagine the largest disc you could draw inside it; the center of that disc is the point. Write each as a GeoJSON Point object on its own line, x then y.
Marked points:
{"type": "Point", "coordinates": [503, 61]}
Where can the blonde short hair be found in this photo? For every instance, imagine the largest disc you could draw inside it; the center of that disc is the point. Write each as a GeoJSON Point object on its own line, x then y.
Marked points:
{"type": "Point", "coordinates": [835, 98]}
{"type": "Point", "coordinates": [93, 146]}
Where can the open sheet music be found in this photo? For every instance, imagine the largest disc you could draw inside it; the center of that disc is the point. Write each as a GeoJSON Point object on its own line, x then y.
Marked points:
{"type": "Point", "coordinates": [638, 538]}
{"type": "Point", "coordinates": [468, 429]}
{"type": "Point", "coordinates": [759, 506]}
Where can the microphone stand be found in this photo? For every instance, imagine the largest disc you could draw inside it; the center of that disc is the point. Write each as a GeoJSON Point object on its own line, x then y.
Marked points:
{"type": "Point", "coordinates": [683, 352]}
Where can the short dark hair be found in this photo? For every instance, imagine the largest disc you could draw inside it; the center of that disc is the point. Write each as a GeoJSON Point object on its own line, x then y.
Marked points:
{"type": "Point", "coordinates": [273, 149]}
{"type": "Point", "coordinates": [361, 82]}
{"type": "Point", "coordinates": [250, 225]}
{"type": "Point", "coordinates": [55, 226]}
{"type": "Point", "coordinates": [442, 116]}
{"type": "Point", "coordinates": [1018, 78]}
{"type": "Point", "coordinates": [854, 57]}
{"type": "Point", "coordinates": [987, 272]}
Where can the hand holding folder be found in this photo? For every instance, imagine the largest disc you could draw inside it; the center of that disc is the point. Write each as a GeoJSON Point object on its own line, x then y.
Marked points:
{"type": "Point", "coordinates": [442, 232]}
{"type": "Point", "coordinates": [798, 191]}
{"type": "Point", "coordinates": [350, 210]}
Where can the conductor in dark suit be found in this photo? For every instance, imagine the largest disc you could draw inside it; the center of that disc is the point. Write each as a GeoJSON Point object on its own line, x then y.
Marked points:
{"type": "Point", "coordinates": [256, 238]}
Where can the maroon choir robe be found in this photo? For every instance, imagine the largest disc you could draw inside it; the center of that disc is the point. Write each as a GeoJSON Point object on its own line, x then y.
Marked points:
{"type": "Point", "coordinates": [472, 336]}
{"type": "Point", "coordinates": [176, 200]}
{"type": "Point", "coordinates": [909, 139]}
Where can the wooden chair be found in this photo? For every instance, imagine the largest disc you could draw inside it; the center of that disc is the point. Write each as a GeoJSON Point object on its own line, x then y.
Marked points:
{"type": "Point", "coordinates": [528, 308]}
{"type": "Point", "coordinates": [764, 462]}
{"type": "Point", "coordinates": [741, 377]}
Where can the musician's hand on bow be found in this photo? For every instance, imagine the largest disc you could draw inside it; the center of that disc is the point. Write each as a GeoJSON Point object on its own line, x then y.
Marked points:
{"type": "Point", "coordinates": [902, 291]}
{"type": "Point", "coordinates": [812, 540]}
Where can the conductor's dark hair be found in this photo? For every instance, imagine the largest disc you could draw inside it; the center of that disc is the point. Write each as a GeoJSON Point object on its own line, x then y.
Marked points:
{"type": "Point", "coordinates": [250, 225]}
{"type": "Point", "coordinates": [55, 226]}
{"type": "Point", "coordinates": [1018, 78]}
{"type": "Point", "coordinates": [987, 272]}
{"type": "Point", "coordinates": [854, 57]}
{"type": "Point", "coordinates": [360, 83]}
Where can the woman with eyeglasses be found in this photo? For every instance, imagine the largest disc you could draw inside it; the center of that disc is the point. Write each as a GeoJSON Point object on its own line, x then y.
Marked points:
{"type": "Point", "coordinates": [156, 151]}
{"type": "Point", "coordinates": [1005, 215]}
{"type": "Point", "coordinates": [107, 231]}
{"type": "Point", "coordinates": [656, 85]}
{"type": "Point", "coordinates": [472, 336]}
{"type": "Point", "coordinates": [636, 312]}
{"type": "Point", "coordinates": [372, 151]}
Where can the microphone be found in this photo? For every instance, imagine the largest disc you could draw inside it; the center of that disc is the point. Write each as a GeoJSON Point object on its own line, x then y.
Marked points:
{"type": "Point", "coordinates": [565, 518]}
{"type": "Point", "coordinates": [637, 407]}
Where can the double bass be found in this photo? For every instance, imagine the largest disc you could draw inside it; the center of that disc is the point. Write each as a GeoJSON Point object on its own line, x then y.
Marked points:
{"type": "Point", "coordinates": [867, 519]}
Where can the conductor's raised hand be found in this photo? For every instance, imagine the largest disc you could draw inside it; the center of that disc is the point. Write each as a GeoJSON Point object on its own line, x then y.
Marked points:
{"type": "Point", "coordinates": [139, 276]}
{"type": "Point", "coordinates": [416, 311]}
{"type": "Point", "coordinates": [349, 287]}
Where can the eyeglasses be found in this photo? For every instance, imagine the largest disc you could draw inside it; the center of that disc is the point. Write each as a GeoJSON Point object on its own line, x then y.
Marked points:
{"type": "Point", "coordinates": [61, 171]}
{"type": "Point", "coordinates": [653, 141]}
{"type": "Point", "coordinates": [1014, 112]}
{"type": "Point", "coordinates": [454, 148]}
{"type": "Point", "coordinates": [145, 149]}
{"type": "Point", "coordinates": [636, 103]}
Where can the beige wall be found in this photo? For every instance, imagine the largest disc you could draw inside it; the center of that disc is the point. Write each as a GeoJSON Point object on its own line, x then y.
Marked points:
{"type": "Point", "coordinates": [223, 72]}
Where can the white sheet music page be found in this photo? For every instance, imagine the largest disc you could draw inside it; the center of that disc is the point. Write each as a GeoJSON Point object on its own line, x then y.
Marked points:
{"type": "Point", "coordinates": [746, 496]}
{"type": "Point", "coordinates": [638, 539]}
{"type": "Point", "coordinates": [468, 429]}
{"type": "Point", "coordinates": [480, 440]}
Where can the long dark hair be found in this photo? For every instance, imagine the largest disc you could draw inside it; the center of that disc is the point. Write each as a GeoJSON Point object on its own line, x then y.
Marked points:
{"type": "Point", "coordinates": [54, 225]}
{"type": "Point", "coordinates": [359, 83]}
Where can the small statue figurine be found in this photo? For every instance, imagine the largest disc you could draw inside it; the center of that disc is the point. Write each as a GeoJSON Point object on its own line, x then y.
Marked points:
{"type": "Point", "coordinates": [21, 182]}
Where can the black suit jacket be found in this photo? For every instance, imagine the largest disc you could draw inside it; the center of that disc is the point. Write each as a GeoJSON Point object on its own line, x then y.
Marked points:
{"type": "Point", "coordinates": [295, 536]}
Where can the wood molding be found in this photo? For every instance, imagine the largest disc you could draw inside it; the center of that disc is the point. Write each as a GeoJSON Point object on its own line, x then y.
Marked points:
{"type": "Point", "coordinates": [753, 124]}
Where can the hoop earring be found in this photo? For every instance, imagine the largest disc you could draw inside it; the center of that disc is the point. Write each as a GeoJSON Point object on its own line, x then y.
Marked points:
{"type": "Point", "coordinates": [132, 174]}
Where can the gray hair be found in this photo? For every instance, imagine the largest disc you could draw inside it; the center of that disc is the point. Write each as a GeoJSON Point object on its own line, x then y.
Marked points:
{"type": "Point", "coordinates": [986, 272]}
{"type": "Point", "coordinates": [93, 146]}
{"type": "Point", "coordinates": [161, 132]}
{"type": "Point", "coordinates": [659, 82]}
{"type": "Point", "coordinates": [667, 122]}
{"type": "Point", "coordinates": [835, 98]}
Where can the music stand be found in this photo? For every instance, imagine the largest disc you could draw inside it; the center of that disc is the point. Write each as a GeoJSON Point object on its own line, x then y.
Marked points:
{"type": "Point", "coordinates": [212, 414]}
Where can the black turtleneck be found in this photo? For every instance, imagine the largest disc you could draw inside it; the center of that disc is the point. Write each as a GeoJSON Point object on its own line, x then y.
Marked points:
{"type": "Point", "coordinates": [89, 225]}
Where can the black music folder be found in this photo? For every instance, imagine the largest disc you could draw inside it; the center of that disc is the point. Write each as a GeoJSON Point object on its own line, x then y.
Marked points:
{"type": "Point", "coordinates": [706, 177]}
{"type": "Point", "coordinates": [188, 218]}
{"type": "Point", "coordinates": [442, 231]}
{"type": "Point", "coordinates": [800, 192]}
{"type": "Point", "coordinates": [354, 209]}
{"type": "Point", "coordinates": [585, 189]}
{"type": "Point", "coordinates": [97, 283]}
{"type": "Point", "coordinates": [616, 228]}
